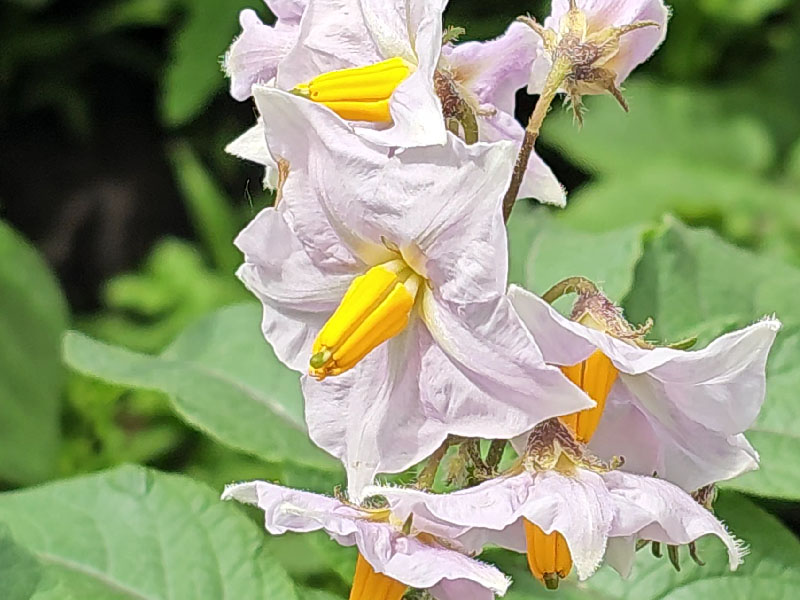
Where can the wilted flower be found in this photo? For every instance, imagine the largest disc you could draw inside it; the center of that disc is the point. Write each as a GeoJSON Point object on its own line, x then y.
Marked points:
{"type": "Point", "coordinates": [563, 507]}
{"type": "Point", "coordinates": [383, 278]}
{"type": "Point", "coordinates": [680, 414]}
{"type": "Point", "coordinates": [593, 45]}
{"type": "Point", "coordinates": [392, 554]}
{"type": "Point", "coordinates": [382, 64]}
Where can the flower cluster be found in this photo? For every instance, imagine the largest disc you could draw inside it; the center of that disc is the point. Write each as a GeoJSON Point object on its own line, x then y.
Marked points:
{"type": "Point", "coordinates": [382, 270]}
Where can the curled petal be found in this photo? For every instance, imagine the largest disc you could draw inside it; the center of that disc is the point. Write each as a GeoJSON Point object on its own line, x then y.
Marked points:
{"type": "Point", "coordinates": [402, 558]}
{"type": "Point", "coordinates": [296, 296]}
{"type": "Point", "coordinates": [330, 170]}
{"type": "Point", "coordinates": [255, 55]}
{"type": "Point", "coordinates": [286, 509]}
{"type": "Point", "coordinates": [663, 440]}
{"type": "Point", "coordinates": [653, 509]}
{"type": "Point", "coordinates": [252, 146]}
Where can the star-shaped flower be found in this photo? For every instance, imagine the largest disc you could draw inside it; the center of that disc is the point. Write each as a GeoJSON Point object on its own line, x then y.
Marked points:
{"type": "Point", "coordinates": [680, 414]}
{"type": "Point", "coordinates": [383, 279]}
{"type": "Point", "coordinates": [563, 508]}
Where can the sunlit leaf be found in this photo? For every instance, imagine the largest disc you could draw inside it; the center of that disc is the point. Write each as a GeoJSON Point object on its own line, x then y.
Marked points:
{"type": "Point", "coordinates": [133, 533]}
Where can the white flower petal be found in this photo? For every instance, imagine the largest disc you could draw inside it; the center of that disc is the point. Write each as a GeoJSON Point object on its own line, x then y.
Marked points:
{"type": "Point", "coordinates": [333, 35]}
{"type": "Point", "coordinates": [683, 451]}
{"type": "Point", "coordinates": [296, 295]}
{"type": "Point", "coordinates": [255, 55]}
{"type": "Point", "coordinates": [494, 70]}
{"type": "Point", "coordinates": [539, 181]}
{"type": "Point", "coordinates": [371, 417]}
{"type": "Point", "coordinates": [415, 108]}
{"type": "Point", "coordinates": [328, 165]}
{"type": "Point", "coordinates": [657, 510]}
{"type": "Point", "coordinates": [511, 390]}
{"type": "Point", "coordinates": [579, 507]}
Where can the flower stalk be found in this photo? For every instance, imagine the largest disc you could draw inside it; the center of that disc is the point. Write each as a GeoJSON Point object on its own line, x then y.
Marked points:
{"type": "Point", "coordinates": [556, 77]}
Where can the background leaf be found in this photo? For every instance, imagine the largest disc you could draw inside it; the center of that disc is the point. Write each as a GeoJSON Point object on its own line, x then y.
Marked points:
{"type": "Point", "coordinates": [194, 75]}
{"type": "Point", "coordinates": [34, 316]}
{"type": "Point", "coordinates": [223, 378]}
{"type": "Point", "coordinates": [140, 534]}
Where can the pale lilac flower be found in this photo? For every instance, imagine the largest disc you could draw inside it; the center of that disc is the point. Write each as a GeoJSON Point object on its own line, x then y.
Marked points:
{"type": "Point", "coordinates": [444, 353]}
{"type": "Point", "coordinates": [487, 76]}
{"type": "Point", "coordinates": [607, 39]}
{"type": "Point", "coordinates": [680, 414]}
{"type": "Point", "coordinates": [588, 509]}
{"type": "Point", "coordinates": [400, 559]}
{"type": "Point", "coordinates": [468, 88]}
{"type": "Point", "coordinates": [255, 55]}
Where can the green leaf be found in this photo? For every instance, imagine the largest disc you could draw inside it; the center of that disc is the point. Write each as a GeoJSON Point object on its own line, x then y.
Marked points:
{"type": "Point", "coordinates": [608, 258]}
{"type": "Point", "coordinates": [212, 216]}
{"type": "Point", "coordinates": [665, 122]}
{"type": "Point", "coordinates": [741, 11]}
{"type": "Point", "coordinates": [774, 557]}
{"type": "Point", "coordinates": [223, 378]}
{"type": "Point", "coordinates": [34, 316]}
{"type": "Point", "coordinates": [742, 206]}
{"type": "Point", "coordinates": [134, 533]}
{"type": "Point", "coordinates": [194, 75]}
{"type": "Point", "coordinates": [313, 594]}
{"type": "Point", "coordinates": [693, 283]}
{"type": "Point", "coordinates": [20, 571]}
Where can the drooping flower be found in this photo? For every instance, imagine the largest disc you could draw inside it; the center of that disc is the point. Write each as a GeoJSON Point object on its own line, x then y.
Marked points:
{"type": "Point", "coordinates": [382, 65]}
{"type": "Point", "coordinates": [599, 42]}
{"type": "Point", "coordinates": [383, 279]}
{"type": "Point", "coordinates": [680, 414]}
{"type": "Point", "coordinates": [392, 555]}
{"type": "Point", "coordinates": [564, 508]}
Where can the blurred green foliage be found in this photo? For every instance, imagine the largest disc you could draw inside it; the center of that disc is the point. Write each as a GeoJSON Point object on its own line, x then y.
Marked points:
{"type": "Point", "coordinates": [687, 211]}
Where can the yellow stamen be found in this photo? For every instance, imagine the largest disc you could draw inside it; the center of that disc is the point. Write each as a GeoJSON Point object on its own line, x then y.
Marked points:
{"type": "Point", "coordinates": [360, 94]}
{"type": "Point", "coordinates": [369, 585]}
{"type": "Point", "coordinates": [375, 308]}
{"type": "Point", "coordinates": [549, 558]}
{"type": "Point", "coordinates": [595, 376]}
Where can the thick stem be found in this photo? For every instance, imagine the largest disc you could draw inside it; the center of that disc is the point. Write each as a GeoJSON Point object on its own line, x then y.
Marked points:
{"type": "Point", "coordinates": [554, 80]}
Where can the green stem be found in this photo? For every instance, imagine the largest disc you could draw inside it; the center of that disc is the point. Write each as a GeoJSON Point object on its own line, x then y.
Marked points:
{"type": "Point", "coordinates": [427, 476]}
{"type": "Point", "coordinates": [554, 80]}
{"type": "Point", "coordinates": [495, 454]}
{"type": "Point", "coordinates": [578, 285]}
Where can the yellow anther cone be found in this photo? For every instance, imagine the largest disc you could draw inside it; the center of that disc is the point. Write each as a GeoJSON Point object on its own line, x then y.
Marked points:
{"type": "Point", "coordinates": [359, 94]}
{"type": "Point", "coordinates": [369, 585]}
{"type": "Point", "coordinates": [549, 558]}
{"type": "Point", "coordinates": [595, 376]}
{"type": "Point", "coordinates": [375, 308]}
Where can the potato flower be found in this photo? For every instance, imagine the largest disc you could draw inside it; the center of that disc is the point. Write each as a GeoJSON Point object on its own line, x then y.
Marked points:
{"type": "Point", "coordinates": [383, 280]}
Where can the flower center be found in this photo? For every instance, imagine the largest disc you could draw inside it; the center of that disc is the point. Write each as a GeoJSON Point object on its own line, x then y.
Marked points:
{"type": "Point", "coordinates": [360, 94]}
{"type": "Point", "coordinates": [375, 308]}
{"type": "Point", "coordinates": [369, 585]}
{"type": "Point", "coordinates": [595, 376]}
{"type": "Point", "coordinates": [549, 558]}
